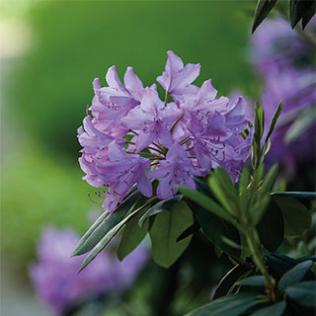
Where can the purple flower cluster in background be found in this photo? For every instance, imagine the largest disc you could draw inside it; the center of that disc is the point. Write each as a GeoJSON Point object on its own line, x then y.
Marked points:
{"type": "Point", "coordinates": [133, 137]}
{"type": "Point", "coordinates": [55, 276]}
{"type": "Point", "coordinates": [283, 58]}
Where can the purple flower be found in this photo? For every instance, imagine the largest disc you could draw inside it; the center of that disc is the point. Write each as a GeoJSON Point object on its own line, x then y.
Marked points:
{"type": "Point", "coordinates": [121, 172]}
{"type": "Point", "coordinates": [133, 137]}
{"type": "Point", "coordinates": [296, 88]}
{"type": "Point", "coordinates": [151, 120]}
{"type": "Point", "coordinates": [176, 169]}
{"type": "Point", "coordinates": [55, 276]}
{"type": "Point", "coordinates": [177, 78]}
{"type": "Point", "coordinates": [275, 45]}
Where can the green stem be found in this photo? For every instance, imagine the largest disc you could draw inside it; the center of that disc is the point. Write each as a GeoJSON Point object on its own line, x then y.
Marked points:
{"type": "Point", "coordinates": [256, 253]}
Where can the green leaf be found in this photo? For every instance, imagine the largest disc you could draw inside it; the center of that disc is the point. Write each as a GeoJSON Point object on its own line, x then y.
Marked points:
{"type": "Point", "coordinates": [295, 275]}
{"type": "Point", "coordinates": [165, 230]}
{"type": "Point", "coordinates": [160, 207]}
{"type": "Point", "coordinates": [296, 195]}
{"type": "Point", "coordinates": [232, 305]}
{"type": "Point", "coordinates": [132, 236]}
{"type": "Point", "coordinates": [299, 9]}
{"type": "Point", "coordinates": [303, 293]}
{"type": "Point", "coordinates": [262, 10]}
{"type": "Point", "coordinates": [297, 218]}
{"type": "Point", "coordinates": [270, 179]}
{"type": "Point", "coordinates": [300, 125]}
{"type": "Point", "coordinates": [207, 203]}
{"type": "Point", "coordinates": [107, 238]}
{"type": "Point", "coordinates": [224, 190]}
{"type": "Point", "coordinates": [275, 118]}
{"type": "Point", "coordinates": [308, 14]}
{"type": "Point", "coordinates": [276, 309]}
{"type": "Point", "coordinates": [89, 232]}
{"type": "Point", "coordinates": [195, 227]}
{"type": "Point", "coordinates": [215, 229]}
{"type": "Point", "coordinates": [252, 281]}
{"type": "Point", "coordinates": [271, 227]}
{"type": "Point", "coordinates": [230, 278]}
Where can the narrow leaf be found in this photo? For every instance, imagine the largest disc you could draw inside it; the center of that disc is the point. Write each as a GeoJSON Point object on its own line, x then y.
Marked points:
{"type": "Point", "coordinates": [262, 10]}
{"type": "Point", "coordinates": [106, 239]}
{"type": "Point", "coordinates": [275, 118]}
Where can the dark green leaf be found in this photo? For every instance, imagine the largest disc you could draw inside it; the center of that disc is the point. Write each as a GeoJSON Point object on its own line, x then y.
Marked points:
{"type": "Point", "coordinates": [297, 218]}
{"type": "Point", "coordinates": [255, 281]}
{"type": "Point", "coordinates": [159, 207]}
{"type": "Point", "coordinates": [279, 264]}
{"type": "Point", "coordinates": [303, 293]}
{"type": "Point", "coordinates": [230, 278]}
{"type": "Point", "coordinates": [299, 9]}
{"type": "Point", "coordinates": [232, 305]}
{"type": "Point", "coordinates": [206, 202]}
{"type": "Point", "coordinates": [215, 228]}
{"type": "Point", "coordinates": [132, 236]}
{"type": "Point", "coordinates": [296, 195]}
{"type": "Point", "coordinates": [295, 275]}
{"type": "Point", "coordinates": [271, 227]}
{"type": "Point", "coordinates": [167, 227]}
{"type": "Point", "coordinates": [195, 227]}
{"type": "Point", "coordinates": [309, 14]}
{"type": "Point", "coordinates": [276, 309]}
{"type": "Point", "coordinates": [262, 10]}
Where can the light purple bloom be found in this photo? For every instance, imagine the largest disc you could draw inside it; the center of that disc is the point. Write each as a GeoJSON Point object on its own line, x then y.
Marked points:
{"type": "Point", "coordinates": [177, 77]}
{"type": "Point", "coordinates": [176, 169]}
{"type": "Point", "coordinates": [151, 120]}
{"type": "Point", "coordinates": [133, 137]}
{"type": "Point", "coordinates": [55, 275]}
{"type": "Point", "coordinates": [276, 46]}
{"type": "Point", "coordinates": [284, 60]}
{"type": "Point", "coordinates": [297, 89]}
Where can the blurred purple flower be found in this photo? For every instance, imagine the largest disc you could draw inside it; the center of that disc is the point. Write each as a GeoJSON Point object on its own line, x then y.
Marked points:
{"type": "Point", "coordinates": [297, 90]}
{"type": "Point", "coordinates": [55, 276]}
{"type": "Point", "coordinates": [276, 46]}
{"type": "Point", "coordinates": [284, 59]}
{"type": "Point", "coordinates": [133, 137]}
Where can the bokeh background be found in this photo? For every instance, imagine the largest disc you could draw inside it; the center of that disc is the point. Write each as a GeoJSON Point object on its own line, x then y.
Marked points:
{"type": "Point", "coordinates": [50, 51]}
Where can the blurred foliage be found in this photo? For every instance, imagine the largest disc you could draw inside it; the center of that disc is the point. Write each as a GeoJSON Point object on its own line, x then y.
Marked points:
{"type": "Point", "coordinates": [75, 42]}
{"type": "Point", "coordinates": [38, 191]}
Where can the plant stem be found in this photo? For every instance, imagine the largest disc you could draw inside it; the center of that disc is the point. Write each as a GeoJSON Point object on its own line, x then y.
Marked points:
{"type": "Point", "coordinates": [253, 244]}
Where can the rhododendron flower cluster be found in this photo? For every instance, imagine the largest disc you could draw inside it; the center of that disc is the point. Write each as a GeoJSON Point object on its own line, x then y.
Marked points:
{"type": "Point", "coordinates": [133, 137]}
